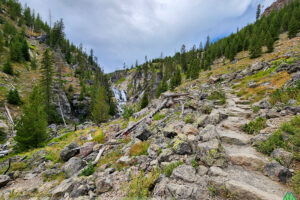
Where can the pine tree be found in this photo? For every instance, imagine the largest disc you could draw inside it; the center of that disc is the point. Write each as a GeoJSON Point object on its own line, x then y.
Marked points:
{"type": "Point", "coordinates": [270, 43]}
{"type": "Point", "coordinates": [25, 50]}
{"type": "Point", "coordinates": [100, 109]}
{"type": "Point", "coordinates": [47, 80]}
{"type": "Point", "coordinates": [293, 28]}
{"type": "Point", "coordinates": [207, 44]}
{"type": "Point", "coordinates": [145, 101]}
{"type": "Point", "coordinates": [258, 12]}
{"type": "Point", "coordinates": [183, 58]}
{"type": "Point", "coordinates": [8, 69]}
{"type": "Point", "coordinates": [33, 63]}
{"type": "Point", "coordinates": [32, 127]}
{"type": "Point", "coordinates": [255, 48]}
{"type": "Point", "coordinates": [13, 97]}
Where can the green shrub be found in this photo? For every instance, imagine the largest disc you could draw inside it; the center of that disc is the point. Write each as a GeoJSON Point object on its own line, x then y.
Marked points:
{"type": "Point", "coordinates": [141, 185]}
{"type": "Point", "coordinates": [8, 69]}
{"type": "Point", "coordinates": [2, 136]}
{"type": "Point", "coordinates": [206, 109]}
{"type": "Point", "coordinates": [88, 171]}
{"type": "Point", "coordinates": [195, 164]}
{"type": "Point", "coordinates": [13, 97]}
{"type": "Point", "coordinates": [138, 149]}
{"type": "Point", "coordinates": [100, 138]}
{"type": "Point", "coordinates": [274, 141]}
{"type": "Point", "coordinates": [284, 95]}
{"type": "Point", "coordinates": [157, 117]}
{"type": "Point", "coordinates": [218, 95]}
{"type": "Point", "coordinates": [145, 101]}
{"type": "Point", "coordinates": [168, 170]}
{"type": "Point", "coordinates": [255, 109]}
{"type": "Point", "coordinates": [254, 126]}
{"type": "Point", "coordinates": [189, 119]}
{"type": "Point", "coordinates": [127, 112]}
{"type": "Point", "coordinates": [295, 182]}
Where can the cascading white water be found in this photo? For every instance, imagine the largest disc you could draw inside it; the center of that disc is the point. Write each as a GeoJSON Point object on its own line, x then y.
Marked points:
{"type": "Point", "coordinates": [121, 98]}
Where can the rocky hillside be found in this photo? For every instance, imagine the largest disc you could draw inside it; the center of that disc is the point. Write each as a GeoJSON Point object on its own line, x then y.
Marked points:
{"type": "Point", "coordinates": [231, 133]}
{"type": "Point", "coordinates": [277, 5]}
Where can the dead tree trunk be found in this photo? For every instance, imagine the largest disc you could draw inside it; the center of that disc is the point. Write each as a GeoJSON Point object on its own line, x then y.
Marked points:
{"type": "Point", "coordinates": [61, 112]}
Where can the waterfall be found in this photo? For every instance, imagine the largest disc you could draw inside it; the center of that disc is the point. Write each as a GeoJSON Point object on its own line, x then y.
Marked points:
{"type": "Point", "coordinates": [121, 98]}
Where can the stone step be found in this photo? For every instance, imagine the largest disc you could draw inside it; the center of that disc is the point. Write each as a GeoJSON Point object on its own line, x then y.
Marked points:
{"type": "Point", "coordinates": [233, 137]}
{"type": "Point", "coordinates": [248, 185]}
{"type": "Point", "coordinates": [234, 123]}
{"type": "Point", "coordinates": [245, 156]}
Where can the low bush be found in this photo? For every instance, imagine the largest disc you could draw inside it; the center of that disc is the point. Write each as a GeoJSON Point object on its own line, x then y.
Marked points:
{"type": "Point", "coordinates": [189, 119]}
{"type": "Point", "coordinates": [274, 141]}
{"type": "Point", "coordinates": [283, 95]}
{"type": "Point", "coordinates": [100, 138]}
{"type": "Point", "coordinates": [138, 149]}
{"type": "Point", "coordinates": [13, 97]}
{"type": "Point", "coordinates": [254, 126]}
{"type": "Point", "coordinates": [88, 171]}
{"type": "Point", "coordinates": [157, 117]}
{"type": "Point", "coordinates": [127, 112]}
{"type": "Point", "coordinates": [295, 182]}
{"type": "Point", "coordinates": [218, 95]}
{"type": "Point", "coordinates": [141, 185]}
{"type": "Point", "coordinates": [168, 170]}
{"type": "Point", "coordinates": [206, 109]}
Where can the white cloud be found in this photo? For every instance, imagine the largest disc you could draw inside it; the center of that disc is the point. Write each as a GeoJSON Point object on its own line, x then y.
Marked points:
{"type": "Point", "coordinates": [123, 31]}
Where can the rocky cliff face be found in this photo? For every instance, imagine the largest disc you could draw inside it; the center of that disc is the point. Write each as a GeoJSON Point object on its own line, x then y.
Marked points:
{"type": "Point", "coordinates": [276, 6]}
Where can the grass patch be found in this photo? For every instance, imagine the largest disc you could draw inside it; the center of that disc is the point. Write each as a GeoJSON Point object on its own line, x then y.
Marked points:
{"type": "Point", "coordinates": [141, 185]}
{"type": "Point", "coordinates": [121, 80]}
{"type": "Point", "coordinates": [138, 149]}
{"type": "Point", "coordinates": [295, 182]}
{"type": "Point", "coordinates": [255, 109]}
{"type": "Point", "coordinates": [157, 117]}
{"type": "Point", "coordinates": [218, 95]}
{"type": "Point", "coordinates": [88, 171]}
{"type": "Point", "coordinates": [110, 158]}
{"type": "Point", "coordinates": [168, 170]}
{"type": "Point", "coordinates": [100, 137]}
{"type": "Point", "coordinates": [292, 130]}
{"type": "Point", "coordinates": [189, 119]}
{"type": "Point", "coordinates": [283, 95]}
{"type": "Point", "coordinates": [255, 126]}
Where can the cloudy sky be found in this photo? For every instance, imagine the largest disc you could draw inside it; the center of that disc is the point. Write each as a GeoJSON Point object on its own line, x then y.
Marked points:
{"type": "Point", "coordinates": [126, 30]}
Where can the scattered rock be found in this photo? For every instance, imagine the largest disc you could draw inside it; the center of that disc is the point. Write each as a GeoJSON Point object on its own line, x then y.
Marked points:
{"type": "Point", "coordinates": [72, 166]}
{"type": "Point", "coordinates": [103, 185]}
{"type": "Point", "coordinates": [283, 156]}
{"type": "Point", "coordinates": [4, 179]}
{"type": "Point", "coordinates": [143, 133]}
{"type": "Point", "coordinates": [69, 151]}
{"type": "Point", "coordinates": [181, 146]}
{"type": "Point", "coordinates": [209, 133]}
{"type": "Point", "coordinates": [252, 84]}
{"type": "Point", "coordinates": [86, 149]}
{"type": "Point", "coordinates": [65, 187]}
{"type": "Point", "coordinates": [277, 172]}
{"type": "Point", "coordinates": [189, 130]}
{"type": "Point", "coordinates": [203, 120]}
{"type": "Point", "coordinates": [185, 173]}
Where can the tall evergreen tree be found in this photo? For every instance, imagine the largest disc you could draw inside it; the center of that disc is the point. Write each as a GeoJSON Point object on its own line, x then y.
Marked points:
{"type": "Point", "coordinates": [13, 97]}
{"type": "Point", "coordinates": [32, 127]}
{"type": "Point", "coordinates": [258, 10]}
{"type": "Point", "coordinates": [145, 101]}
{"type": "Point", "coordinates": [293, 28]}
{"type": "Point", "coordinates": [183, 61]}
{"type": "Point", "coordinates": [47, 79]}
{"type": "Point", "coordinates": [8, 68]}
{"type": "Point", "coordinates": [207, 44]}
{"type": "Point", "coordinates": [100, 108]}
{"type": "Point", "coordinates": [270, 42]}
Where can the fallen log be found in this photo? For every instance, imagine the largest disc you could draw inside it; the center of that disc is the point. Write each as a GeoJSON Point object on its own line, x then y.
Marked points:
{"type": "Point", "coordinates": [128, 129]}
{"type": "Point", "coordinates": [7, 167]}
{"type": "Point", "coordinates": [172, 95]}
{"type": "Point", "coordinates": [9, 115]}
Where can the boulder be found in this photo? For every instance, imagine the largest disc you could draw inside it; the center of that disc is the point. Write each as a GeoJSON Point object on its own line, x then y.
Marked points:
{"type": "Point", "coordinates": [285, 157]}
{"type": "Point", "coordinates": [153, 150]}
{"type": "Point", "coordinates": [184, 172]}
{"type": "Point", "coordinates": [69, 151]}
{"type": "Point", "coordinates": [165, 155]}
{"type": "Point", "coordinates": [103, 185]}
{"type": "Point", "coordinates": [211, 153]}
{"type": "Point", "coordinates": [72, 166]}
{"type": "Point", "coordinates": [258, 66]}
{"type": "Point", "coordinates": [263, 104]}
{"type": "Point", "coordinates": [189, 130]}
{"type": "Point", "coordinates": [86, 149]}
{"type": "Point", "coordinates": [125, 160]}
{"type": "Point", "coordinates": [216, 117]}
{"type": "Point", "coordinates": [79, 190]}
{"type": "Point", "coordinates": [4, 179]}
{"type": "Point", "coordinates": [277, 172]}
{"type": "Point", "coordinates": [295, 67]}
{"type": "Point", "coordinates": [65, 187]}
{"type": "Point", "coordinates": [202, 121]}
{"type": "Point", "coordinates": [202, 170]}
{"type": "Point", "coordinates": [209, 133]}
{"type": "Point", "coordinates": [185, 191]}
{"type": "Point", "coordinates": [282, 67]}
{"type": "Point", "coordinates": [257, 139]}
{"type": "Point", "coordinates": [143, 133]}
{"type": "Point", "coordinates": [181, 145]}
{"type": "Point", "coordinates": [252, 84]}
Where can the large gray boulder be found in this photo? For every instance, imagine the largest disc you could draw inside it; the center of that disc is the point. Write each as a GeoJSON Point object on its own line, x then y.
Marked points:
{"type": "Point", "coordinates": [185, 172]}
{"type": "Point", "coordinates": [277, 172]}
{"type": "Point", "coordinates": [285, 157]}
{"type": "Point", "coordinates": [143, 132]}
{"type": "Point", "coordinates": [209, 133]}
{"type": "Point", "coordinates": [72, 166]}
{"type": "Point", "coordinates": [65, 187]}
{"type": "Point", "coordinates": [69, 151]}
{"type": "Point", "coordinates": [4, 179]}
{"type": "Point", "coordinates": [181, 145]}
{"type": "Point", "coordinates": [186, 191]}
{"type": "Point", "coordinates": [103, 185]}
